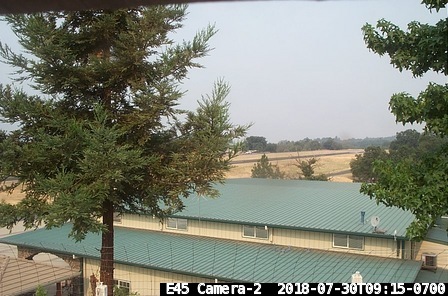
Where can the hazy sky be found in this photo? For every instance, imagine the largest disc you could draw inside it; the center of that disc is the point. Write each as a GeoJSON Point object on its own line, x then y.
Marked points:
{"type": "Point", "coordinates": [300, 68]}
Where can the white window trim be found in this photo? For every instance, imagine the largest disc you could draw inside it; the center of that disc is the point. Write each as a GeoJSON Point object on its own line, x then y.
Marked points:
{"type": "Point", "coordinates": [255, 232]}
{"type": "Point", "coordinates": [347, 245]}
{"type": "Point", "coordinates": [177, 224]}
{"type": "Point", "coordinates": [122, 284]}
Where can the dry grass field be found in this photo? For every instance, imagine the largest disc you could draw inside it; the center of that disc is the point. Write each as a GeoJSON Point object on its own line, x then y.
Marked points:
{"type": "Point", "coordinates": [13, 197]}
{"type": "Point", "coordinates": [334, 163]}
{"type": "Point", "coordinates": [330, 162]}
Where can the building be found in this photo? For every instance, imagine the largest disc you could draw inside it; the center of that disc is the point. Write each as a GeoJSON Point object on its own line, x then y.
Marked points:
{"type": "Point", "coordinates": [19, 276]}
{"type": "Point", "coordinates": [433, 253]}
{"type": "Point", "coordinates": [258, 230]}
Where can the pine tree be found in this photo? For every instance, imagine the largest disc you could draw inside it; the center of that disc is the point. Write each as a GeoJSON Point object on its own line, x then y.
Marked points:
{"type": "Point", "coordinates": [306, 168]}
{"type": "Point", "coordinates": [266, 170]}
{"type": "Point", "coordinates": [105, 135]}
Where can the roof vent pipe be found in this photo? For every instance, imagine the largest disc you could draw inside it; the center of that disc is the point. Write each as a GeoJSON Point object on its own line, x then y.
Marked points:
{"type": "Point", "coordinates": [363, 215]}
{"type": "Point", "coordinates": [357, 278]}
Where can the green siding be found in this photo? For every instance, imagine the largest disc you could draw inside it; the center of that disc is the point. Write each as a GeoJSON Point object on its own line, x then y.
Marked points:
{"type": "Point", "coordinates": [223, 259]}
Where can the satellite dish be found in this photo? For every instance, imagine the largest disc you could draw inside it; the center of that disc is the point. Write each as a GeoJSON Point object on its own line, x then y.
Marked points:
{"type": "Point", "coordinates": [375, 221]}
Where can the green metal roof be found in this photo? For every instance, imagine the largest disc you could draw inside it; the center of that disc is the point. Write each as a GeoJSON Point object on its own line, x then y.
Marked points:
{"type": "Point", "coordinates": [440, 275]}
{"type": "Point", "coordinates": [223, 259]}
{"type": "Point", "coordinates": [438, 233]}
{"type": "Point", "coordinates": [299, 204]}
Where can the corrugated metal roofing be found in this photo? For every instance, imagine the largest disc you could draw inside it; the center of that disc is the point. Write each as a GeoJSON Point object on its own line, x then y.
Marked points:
{"type": "Point", "coordinates": [439, 233]}
{"type": "Point", "coordinates": [223, 259]}
{"type": "Point", "coordinates": [308, 205]}
{"type": "Point", "coordinates": [440, 275]}
{"type": "Point", "coordinates": [18, 276]}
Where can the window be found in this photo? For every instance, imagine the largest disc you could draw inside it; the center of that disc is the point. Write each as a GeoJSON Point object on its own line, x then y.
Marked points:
{"type": "Point", "coordinates": [117, 217]}
{"type": "Point", "coordinates": [348, 241]}
{"type": "Point", "coordinates": [123, 286]}
{"type": "Point", "coordinates": [255, 231]}
{"type": "Point", "coordinates": [429, 261]}
{"type": "Point", "coordinates": [176, 223]}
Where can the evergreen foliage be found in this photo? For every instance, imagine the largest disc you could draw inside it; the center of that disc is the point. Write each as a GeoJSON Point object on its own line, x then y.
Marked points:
{"type": "Point", "coordinates": [307, 167]}
{"type": "Point", "coordinates": [264, 169]}
{"type": "Point", "coordinates": [105, 135]}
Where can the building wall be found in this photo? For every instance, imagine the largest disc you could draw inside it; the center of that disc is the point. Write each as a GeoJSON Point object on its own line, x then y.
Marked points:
{"type": "Point", "coordinates": [409, 252]}
{"type": "Point", "coordinates": [74, 263]}
{"type": "Point", "coordinates": [322, 240]}
{"type": "Point", "coordinates": [383, 247]}
{"type": "Point", "coordinates": [139, 222]}
{"type": "Point", "coordinates": [142, 280]}
{"type": "Point", "coordinates": [441, 250]}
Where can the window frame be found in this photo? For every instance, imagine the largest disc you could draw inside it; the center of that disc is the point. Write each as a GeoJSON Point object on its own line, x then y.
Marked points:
{"type": "Point", "coordinates": [253, 229]}
{"type": "Point", "coordinates": [350, 244]}
{"type": "Point", "coordinates": [122, 284]}
{"type": "Point", "coordinates": [176, 226]}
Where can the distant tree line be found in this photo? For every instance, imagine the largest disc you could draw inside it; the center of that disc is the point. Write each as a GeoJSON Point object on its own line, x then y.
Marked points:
{"type": "Point", "coordinates": [408, 146]}
{"type": "Point", "coordinates": [260, 144]}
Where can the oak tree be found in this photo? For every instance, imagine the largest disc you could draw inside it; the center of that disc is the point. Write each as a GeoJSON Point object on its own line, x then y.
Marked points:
{"type": "Point", "coordinates": [362, 165]}
{"type": "Point", "coordinates": [418, 185]}
{"type": "Point", "coordinates": [257, 143]}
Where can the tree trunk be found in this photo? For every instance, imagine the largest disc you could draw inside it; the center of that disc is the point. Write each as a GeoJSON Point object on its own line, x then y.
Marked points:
{"type": "Point", "coordinates": [107, 248]}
